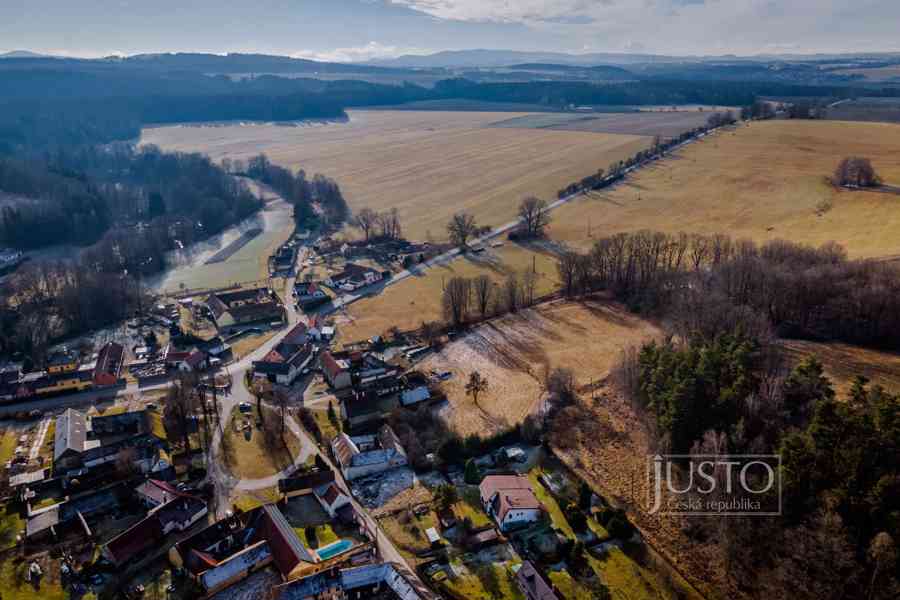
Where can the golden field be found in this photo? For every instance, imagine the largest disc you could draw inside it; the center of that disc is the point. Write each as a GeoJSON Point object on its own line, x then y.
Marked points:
{"type": "Point", "coordinates": [843, 362]}
{"type": "Point", "coordinates": [515, 352]}
{"type": "Point", "coordinates": [763, 181]}
{"type": "Point", "coordinates": [427, 164]}
{"type": "Point", "coordinates": [410, 302]}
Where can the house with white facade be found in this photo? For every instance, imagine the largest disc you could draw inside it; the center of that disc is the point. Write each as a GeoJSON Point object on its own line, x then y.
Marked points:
{"type": "Point", "coordinates": [364, 455]}
{"type": "Point", "coordinates": [509, 500]}
{"type": "Point", "coordinates": [354, 277]}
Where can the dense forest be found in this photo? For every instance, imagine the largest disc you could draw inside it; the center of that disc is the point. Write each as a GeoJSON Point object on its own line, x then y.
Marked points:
{"type": "Point", "coordinates": [316, 202]}
{"type": "Point", "coordinates": [721, 384]}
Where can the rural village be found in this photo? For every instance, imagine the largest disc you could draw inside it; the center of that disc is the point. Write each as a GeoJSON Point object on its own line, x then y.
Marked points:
{"type": "Point", "coordinates": [446, 383]}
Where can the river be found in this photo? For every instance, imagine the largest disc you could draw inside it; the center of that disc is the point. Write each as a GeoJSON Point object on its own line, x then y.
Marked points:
{"type": "Point", "coordinates": [189, 268]}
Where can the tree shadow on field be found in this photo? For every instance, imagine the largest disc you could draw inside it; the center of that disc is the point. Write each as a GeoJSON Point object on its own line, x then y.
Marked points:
{"type": "Point", "coordinates": [601, 309]}
{"type": "Point", "coordinates": [602, 197]}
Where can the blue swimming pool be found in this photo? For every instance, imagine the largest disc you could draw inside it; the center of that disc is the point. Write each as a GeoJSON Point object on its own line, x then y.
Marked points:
{"type": "Point", "coordinates": [334, 548]}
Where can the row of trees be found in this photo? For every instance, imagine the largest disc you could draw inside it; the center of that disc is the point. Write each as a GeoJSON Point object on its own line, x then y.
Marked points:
{"type": "Point", "coordinates": [385, 225]}
{"type": "Point", "coordinates": [313, 200]}
{"type": "Point", "coordinates": [467, 300]}
{"type": "Point", "coordinates": [605, 177]}
{"type": "Point", "coordinates": [694, 280]}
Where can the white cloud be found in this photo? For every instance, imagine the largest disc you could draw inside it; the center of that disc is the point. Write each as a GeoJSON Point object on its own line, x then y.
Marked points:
{"type": "Point", "coordinates": [371, 51]}
{"type": "Point", "coordinates": [690, 26]}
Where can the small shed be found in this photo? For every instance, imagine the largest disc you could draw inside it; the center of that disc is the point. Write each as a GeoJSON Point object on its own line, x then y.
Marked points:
{"type": "Point", "coordinates": [433, 537]}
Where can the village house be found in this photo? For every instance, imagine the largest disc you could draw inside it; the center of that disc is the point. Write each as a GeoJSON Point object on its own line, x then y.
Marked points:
{"type": "Point", "coordinates": [233, 310]}
{"type": "Point", "coordinates": [64, 361]}
{"type": "Point", "coordinates": [109, 364]}
{"type": "Point", "coordinates": [354, 277]}
{"type": "Point", "coordinates": [84, 442]}
{"type": "Point", "coordinates": [333, 500]}
{"type": "Point", "coordinates": [376, 580]}
{"type": "Point", "coordinates": [364, 455]}
{"type": "Point", "coordinates": [336, 371]}
{"type": "Point", "coordinates": [230, 550]}
{"type": "Point", "coordinates": [509, 500]}
{"type": "Point", "coordinates": [309, 295]}
{"type": "Point", "coordinates": [288, 360]}
{"type": "Point", "coordinates": [153, 493]}
{"type": "Point", "coordinates": [305, 484]}
{"type": "Point", "coordinates": [175, 511]}
{"type": "Point", "coordinates": [532, 584]}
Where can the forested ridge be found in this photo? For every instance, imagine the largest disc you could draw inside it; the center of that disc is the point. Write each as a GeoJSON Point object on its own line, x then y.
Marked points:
{"type": "Point", "coordinates": [721, 384]}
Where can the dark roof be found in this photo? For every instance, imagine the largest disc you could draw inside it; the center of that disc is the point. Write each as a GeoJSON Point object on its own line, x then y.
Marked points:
{"type": "Point", "coordinates": [158, 491]}
{"type": "Point", "coordinates": [144, 535]}
{"type": "Point", "coordinates": [330, 365]}
{"type": "Point", "coordinates": [305, 482]}
{"type": "Point", "coordinates": [331, 494]}
{"type": "Point", "coordinates": [352, 270]}
{"type": "Point", "coordinates": [532, 584]}
{"type": "Point", "coordinates": [110, 359]}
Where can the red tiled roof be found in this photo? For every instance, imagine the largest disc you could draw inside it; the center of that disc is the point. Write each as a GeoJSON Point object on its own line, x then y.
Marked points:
{"type": "Point", "coordinates": [492, 484]}
{"type": "Point", "coordinates": [141, 537]}
{"type": "Point", "coordinates": [508, 500]}
{"type": "Point", "coordinates": [331, 495]}
{"type": "Point", "coordinates": [159, 491]}
{"type": "Point", "coordinates": [330, 365]}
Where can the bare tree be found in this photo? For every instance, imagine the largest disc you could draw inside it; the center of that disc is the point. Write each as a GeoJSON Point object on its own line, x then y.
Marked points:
{"type": "Point", "coordinates": [534, 215]}
{"type": "Point", "coordinates": [389, 224]}
{"type": "Point", "coordinates": [476, 385]}
{"type": "Point", "coordinates": [511, 292]}
{"type": "Point", "coordinates": [431, 331]}
{"type": "Point", "coordinates": [456, 300]}
{"type": "Point", "coordinates": [280, 400]}
{"type": "Point", "coordinates": [567, 266]}
{"type": "Point", "coordinates": [365, 221]}
{"type": "Point", "coordinates": [461, 227]}
{"type": "Point", "coordinates": [529, 286]}
{"type": "Point", "coordinates": [179, 407]}
{"type": "Point", "coordinates": [483, 288]}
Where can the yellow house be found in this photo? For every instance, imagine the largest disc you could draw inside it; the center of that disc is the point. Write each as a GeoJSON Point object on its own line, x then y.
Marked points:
{"type": "Point", "coordinates": [64, 362]}
{"type": "Point", "coordinates": [64, 382]}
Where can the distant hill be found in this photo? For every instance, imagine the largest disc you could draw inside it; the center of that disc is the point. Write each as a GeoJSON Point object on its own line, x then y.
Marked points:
{"type": "Point", "coordinates": [608, 72]}
{"type": "Point", "coordinates": [22, 54]}
{"type": "Point", "coordinates": [457, 59]}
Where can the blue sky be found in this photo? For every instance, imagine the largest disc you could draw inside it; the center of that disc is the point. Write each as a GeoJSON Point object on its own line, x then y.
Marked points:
{"type": "Point", "coordinates": [364, 29]}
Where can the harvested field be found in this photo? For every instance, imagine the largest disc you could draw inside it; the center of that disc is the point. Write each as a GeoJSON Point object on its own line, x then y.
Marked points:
{"type": "Point", "coordinates": [666, 124]}
{"type": "Point", "coordinates": [408, 303]}
{"type": "Point", "coordinates": [843, 362]}
{"type": "Point", "coordinates": [889, 73]}
{"type": "Point", "coordinates": [514, 352]}
{"type": "Point", "coordinates": [764, 181]}
{"type": "Point", "coordinates": [426, 164]}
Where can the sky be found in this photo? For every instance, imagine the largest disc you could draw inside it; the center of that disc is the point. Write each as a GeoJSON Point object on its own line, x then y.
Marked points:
{"type": "Point", "coordinates": [359, 30]}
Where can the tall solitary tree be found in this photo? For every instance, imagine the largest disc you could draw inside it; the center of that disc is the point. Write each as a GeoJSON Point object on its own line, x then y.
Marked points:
{"type": "Point", "coordinates": [461, 227]}
{"type": "Point", "coordinates": [476, 385]}
{"type": "Point", "coordinates": [365, 221]}
{"type": "Point", "coordinates": [534, 215]}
